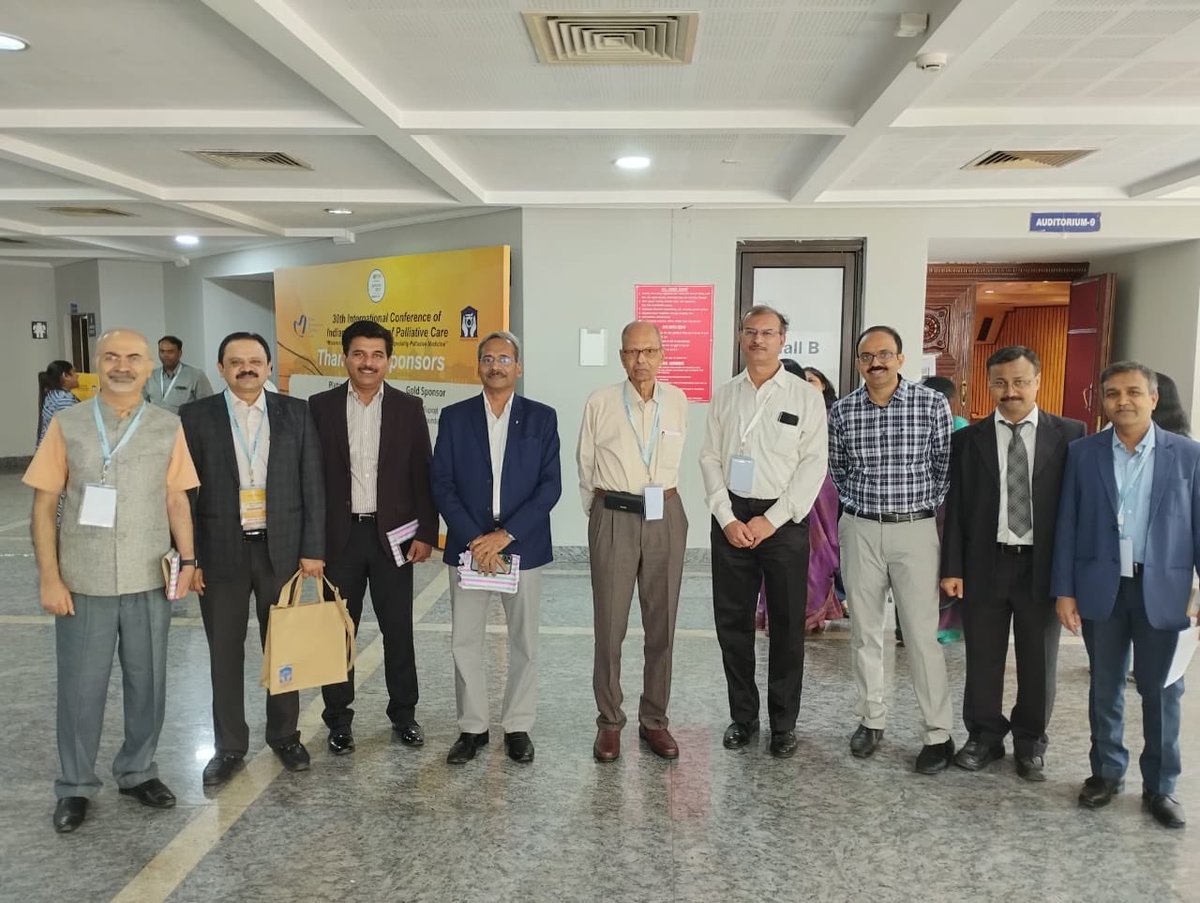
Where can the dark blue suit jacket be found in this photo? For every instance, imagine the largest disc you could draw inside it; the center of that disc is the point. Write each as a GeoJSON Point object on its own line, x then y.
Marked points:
{"type": "Point", "coordinates": [530, 483]}
{"type": "Point", "coordinates": [1087, 557]}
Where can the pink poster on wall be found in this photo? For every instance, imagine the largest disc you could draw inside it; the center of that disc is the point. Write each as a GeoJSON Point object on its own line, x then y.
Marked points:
{"type": "Point", "coordinates": [684, 316]}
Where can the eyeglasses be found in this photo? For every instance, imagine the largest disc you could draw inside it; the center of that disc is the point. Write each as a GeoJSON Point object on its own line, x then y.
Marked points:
{"type": "Point", "coordinates": [504, 360]}
{"type": "Point", "coordinates": [752, 333]}
{"type": "Point", "coordinates": [1019, 383]}
{"type": "Point", "coordinates": [883, 357]}
{"type": "Point", "coordinates": [632, 354]}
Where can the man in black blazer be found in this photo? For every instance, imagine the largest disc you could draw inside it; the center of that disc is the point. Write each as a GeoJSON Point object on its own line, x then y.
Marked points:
{"type": "Point", "coordinates": [259, 515]}
{"type": "Point", "coordinates": [997, 547]}
{"type": "Point", "coordinates": [376, 449]}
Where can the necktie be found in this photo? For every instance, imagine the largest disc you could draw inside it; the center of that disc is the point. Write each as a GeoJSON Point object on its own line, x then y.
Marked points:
{"type": "Point", "coordinates": [1020, 508]}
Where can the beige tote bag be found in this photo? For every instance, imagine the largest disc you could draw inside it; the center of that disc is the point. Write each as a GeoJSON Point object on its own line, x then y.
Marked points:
{"type": "Point", "coordinates": [309, 644]}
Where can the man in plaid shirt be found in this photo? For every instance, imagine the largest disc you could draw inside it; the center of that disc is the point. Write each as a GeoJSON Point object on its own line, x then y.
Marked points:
{"type": "Point", "coordinates": [889, 456]}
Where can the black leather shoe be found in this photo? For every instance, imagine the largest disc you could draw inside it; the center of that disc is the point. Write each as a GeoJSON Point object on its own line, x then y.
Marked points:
{"type": "Point", "coordinates": [783, 744]}
{"type": "Point", "coordinates": [1166, 810]}
{"type": "Point", "coordinates": [1098, 792]}
{"type": "Point", "coordinates": [518, 746]}
{"type": "Point", "coordinates": [465, 747]}
{"type": "Point", "coordinates": [341, 742]}
{"type": "Point", "coordinates": [293, 756]}
{"type": "Point", "coordinates": [1030, 768]}
{"type": "Point", "coordinates": [935, 758]}
{"type": "Point", "coordinates": [153, 793]}
{"type": "Point", "coordinates": [738, 734]}
{"type": "Point", "coordinates": [410, 734]}
{"type": "Point", "coordinates": [865, 741]}
{"type": "Point", "coordinates": [976, 755]}
{"type": "Point", "coordinates": [220, 768]}
{"type": "Point", "coordinates": [69, 813]}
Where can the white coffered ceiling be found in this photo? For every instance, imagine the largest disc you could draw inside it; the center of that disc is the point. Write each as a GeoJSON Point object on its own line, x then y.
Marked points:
{"type": "Point", "coordinates": [405, 110]}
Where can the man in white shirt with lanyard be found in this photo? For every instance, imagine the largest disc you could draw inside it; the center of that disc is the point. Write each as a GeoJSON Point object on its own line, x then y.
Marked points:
{"type": "Point", "coordinates": [175, 383]}
{"type": "Point", "coordinates": [763, 461]}
{"type": "Point", "coordinates": [260, 516]}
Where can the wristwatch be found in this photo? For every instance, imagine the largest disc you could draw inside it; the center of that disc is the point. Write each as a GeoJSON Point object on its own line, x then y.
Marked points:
{"type": "Point", "coordinates": [511, 538]}
{"type": "Point", "coordinates": [188, 562]}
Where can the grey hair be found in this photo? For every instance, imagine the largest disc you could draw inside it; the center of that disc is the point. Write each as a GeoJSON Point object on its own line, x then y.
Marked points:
{"type": "Point", "coordinates": [500, 334]}
{"type": "Point", "coordinates": [1130, 367]}
{"type": "Point", "coordinates": [765, 309]}
{"type": "Point", "coordinates": [629, 326]}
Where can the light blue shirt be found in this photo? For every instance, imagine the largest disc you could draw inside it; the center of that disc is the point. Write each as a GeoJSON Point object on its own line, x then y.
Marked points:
{"type": "Point", "coordinates": [1135, 477]}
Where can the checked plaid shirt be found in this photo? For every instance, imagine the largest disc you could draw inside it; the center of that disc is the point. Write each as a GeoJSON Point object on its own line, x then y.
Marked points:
{"type": "Point", "coordinates": [893, 459]}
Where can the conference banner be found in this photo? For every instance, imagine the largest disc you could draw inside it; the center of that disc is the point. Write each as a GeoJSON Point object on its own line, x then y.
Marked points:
{"type": "Point", "coordinates": [437, 306]}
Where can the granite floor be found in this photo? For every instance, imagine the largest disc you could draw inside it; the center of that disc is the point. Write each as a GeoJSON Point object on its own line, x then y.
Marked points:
{"type": "Point", "coordinates": [396, 824]}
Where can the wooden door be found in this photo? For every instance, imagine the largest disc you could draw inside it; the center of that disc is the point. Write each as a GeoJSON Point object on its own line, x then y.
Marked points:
{"type": "Point", "coordinates": [1089, 347]}
{"type": "Point", "coordinates": [949, 329]}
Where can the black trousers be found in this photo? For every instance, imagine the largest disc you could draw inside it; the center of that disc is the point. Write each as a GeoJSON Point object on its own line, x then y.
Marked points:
{"type": "Point", "coordinates": [987, 614]}
{"type": "Point", "coordinates": [224, 608]}
{"type": "Point", "coordinates": [363, 561]}
{"type": "Point", "coordinates": [782, 563]}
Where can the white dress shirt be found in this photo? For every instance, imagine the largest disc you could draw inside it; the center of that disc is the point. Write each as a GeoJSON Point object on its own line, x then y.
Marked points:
{"type": "Point", "coordinates": [1004, 437]}
{"type": "Point", "coordinates": [249, 418]}
{"type": "Point", "coordinates": [790, 460]}
{"type": "Point", "coordinates": [497, 442]}
{"type": "Point", "coordinates": [363, 426]}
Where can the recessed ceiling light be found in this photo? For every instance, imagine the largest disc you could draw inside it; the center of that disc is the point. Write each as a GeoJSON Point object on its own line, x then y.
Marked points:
{"type": "Point", "coordinates": [12, 42]}
{"type": "Point", "coordinates": [187, 240]}
{"type": "Point", "coordinates": [633, 162]}
{"type": "Point", "coordinates": [339, 211]}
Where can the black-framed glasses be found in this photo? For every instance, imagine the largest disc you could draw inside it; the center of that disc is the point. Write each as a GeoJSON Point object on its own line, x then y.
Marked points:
{"type": "Point", "coordinates": [632, 354]}
{"type": "Point", "coordinates": [884, 357]}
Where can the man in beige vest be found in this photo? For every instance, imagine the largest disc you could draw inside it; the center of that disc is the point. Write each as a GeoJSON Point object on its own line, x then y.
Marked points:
{"type": "Point", "coordinates": [629, 449]}
{"type": "Point", "coordinates": [124, 467]}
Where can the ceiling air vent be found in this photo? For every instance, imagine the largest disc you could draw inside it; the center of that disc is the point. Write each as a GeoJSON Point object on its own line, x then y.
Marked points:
{"type": "Point", "coordinates": [613, 38]}
{"type": "Point", "coordinates": [1016, 159]}
{"type": "Point", "coordinates": [239, 159]}
{"type": "Point", "coordinates": [87, 211]}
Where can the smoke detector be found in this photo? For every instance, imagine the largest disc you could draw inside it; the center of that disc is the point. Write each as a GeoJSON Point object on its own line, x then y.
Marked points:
{"type": "Point", "coordinates": [932, 62]}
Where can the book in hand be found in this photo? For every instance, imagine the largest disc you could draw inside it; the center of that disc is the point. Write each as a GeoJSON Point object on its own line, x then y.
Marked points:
{"type": "Point", "coordinates": [470, 578]}
{"type": "Point", "coordinates": [170, 572]}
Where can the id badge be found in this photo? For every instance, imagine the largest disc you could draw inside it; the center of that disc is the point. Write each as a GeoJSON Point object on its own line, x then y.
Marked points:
{"type": "Point", "coordinates": [652, 500]}
{"type": "Point", "coordinates": [741, 474]}
{"type": "Point", "coordinates": [253, 502]}
{"type": "Point", "coordinates": [99, 506]}
{"type": "Point", "coordinates": [1126, 557]}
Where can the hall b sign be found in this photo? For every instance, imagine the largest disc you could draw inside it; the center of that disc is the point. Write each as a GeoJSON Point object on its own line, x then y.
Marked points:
{"type": "Point", "coordinates": [1064, 222]}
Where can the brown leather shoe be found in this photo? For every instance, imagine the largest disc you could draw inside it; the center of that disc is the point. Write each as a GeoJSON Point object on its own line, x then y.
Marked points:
{"type": "Point", "coordinates": [660, 741]}
{"type": "Point", "coordinates": [607, 747]}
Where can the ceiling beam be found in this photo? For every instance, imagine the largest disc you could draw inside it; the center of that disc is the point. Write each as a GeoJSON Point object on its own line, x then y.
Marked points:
{"type": "Point", "coordinates": [942, 197]}
{"type": "Point", "coordinates": [326, 197]}
{"type": "Point", "coordinates": [114, 243]}
{"type": "Point", "coordinates": [279, 30]}
{"type": "Point", "coordinates": [182, 121]}
{"type": "Point", "coordinates": [962, 118]}
{"type": "Point", "coordinates": [1168, 182]}
{"type": "Point", "coordinates": [618, 122]}
{"type": "Point", "coordinates": [672, 198]}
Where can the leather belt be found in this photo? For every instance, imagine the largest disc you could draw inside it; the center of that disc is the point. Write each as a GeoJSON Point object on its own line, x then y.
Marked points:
{"type": "Point", "coordinates": [254, 536]}
{"type": "Point", "coordinates": [1014, 550]}
{"type": "Point", "coordinates": [889, 517]}
{"type": "Point", "coordinates": [363, 518]}
{"type": "Point", "coordinates": [667, 493]}
{"type": "Point", "coordinates": [1138, 567]}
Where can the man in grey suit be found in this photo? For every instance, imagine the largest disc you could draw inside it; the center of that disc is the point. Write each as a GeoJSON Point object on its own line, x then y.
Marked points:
{"type": "Point", "coordinates": [259, 515]}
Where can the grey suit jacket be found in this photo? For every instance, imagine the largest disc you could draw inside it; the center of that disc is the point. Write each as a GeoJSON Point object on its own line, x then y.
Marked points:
{"type": "Point", "coordinates": [295, 488]}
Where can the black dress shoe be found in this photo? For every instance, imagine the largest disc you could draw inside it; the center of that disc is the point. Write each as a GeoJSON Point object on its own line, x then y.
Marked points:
{"type": "Point", "coordinates": [1098, 792]}
{"type": "Point", "coordinates": [518, 746]}
{"type": "Point", "coordinates": [976, 755]}
{"type": "Point", "coordinates": [1166, 810]}
{"type": "Point", "coordinates": [293, 756]}
{"type": "Point", "coordinates": [153, 793]}
{"type": "Point", "coordinates": [69, 813]}
{"type": "Point", "coordinates": [1030, 768]}
{"type": "Point", "coordinates": [783, 744]}
{"type": "Point", "coordinates": [465, 747]}
{"type": "Point", "coordinates": [341, 742]}
{"type": "Point", "coordinates": [935, 758]}
{"type": "Point", "coordinates": [865, 741]}
{"type": "Point", "coordinates": [220, 768]}
{"type": "Point", "coordinates": [410, 734]}
{"type": "Point", "coordinates": [738, 734]}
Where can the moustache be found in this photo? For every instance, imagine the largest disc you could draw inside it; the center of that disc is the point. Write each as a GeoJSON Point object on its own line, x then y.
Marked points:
{"type": "Point", "coordinates": [247, 373]}
{"type": "Point", "coordinates": [366, 369]}
{"type": "Point", "coordinates": [492, 373]}
{"type": "Point", "coordinates": [877, 370]}
{"type": "Point", "coordinates": [1011, 398]}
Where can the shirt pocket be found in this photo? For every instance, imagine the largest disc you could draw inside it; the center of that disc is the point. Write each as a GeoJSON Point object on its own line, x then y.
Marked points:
{"type": "Point", "coordinates": [786, 439]}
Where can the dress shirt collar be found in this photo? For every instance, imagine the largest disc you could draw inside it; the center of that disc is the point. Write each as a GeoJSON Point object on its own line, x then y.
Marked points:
{"type": "Point", "coordinates": [1031, 417]}
{"type": "Point", "coordinates": [377, 397]}
{"type": "Point", "coordinates": [1146, 444]}
{"type": "Point", "coordinates": [779, 376]}
{"type": "Point", "coordinates": [260, 402]}
{"type": "Point", "coordinates": [633, 398]}
{"type": "Point", "coordinates": [487, 407]}
{"type": "Point", "coordinates": [900, 395]}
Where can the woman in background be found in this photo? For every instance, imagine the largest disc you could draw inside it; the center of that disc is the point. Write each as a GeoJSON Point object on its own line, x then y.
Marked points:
{"type": "Point", "coordinates": [950, 618]}
{"type": "Point", "coordinates": [54, 385]}
{"type": "Point", "coordinates": [1170, 415]}
{"type": "Point", "coordinates": [817, 380]}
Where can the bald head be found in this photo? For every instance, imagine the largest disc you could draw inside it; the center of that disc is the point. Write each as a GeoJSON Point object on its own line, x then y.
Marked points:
{"type": "Point", "coordinates": [641, 329]}
{"type": "Point", "coordinates": [125, 365]}
{"type": "Point", "coordinates": [123, 335]}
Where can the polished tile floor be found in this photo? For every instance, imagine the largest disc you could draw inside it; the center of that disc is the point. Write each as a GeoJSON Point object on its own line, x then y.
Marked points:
{"type": "Point", "coordinates": [395, 824]}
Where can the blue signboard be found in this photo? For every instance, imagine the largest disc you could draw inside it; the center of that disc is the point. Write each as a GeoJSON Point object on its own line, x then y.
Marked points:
{"type": "Point", "coordinates": [1064, 222]}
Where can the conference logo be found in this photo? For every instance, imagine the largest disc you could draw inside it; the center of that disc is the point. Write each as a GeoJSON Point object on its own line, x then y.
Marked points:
{"type": "Point", "coordinates": [300, 326]}
{"type": "Point", "coordinates": [469, 323]}
{"type": "Point", "coordinates": [376, 286]}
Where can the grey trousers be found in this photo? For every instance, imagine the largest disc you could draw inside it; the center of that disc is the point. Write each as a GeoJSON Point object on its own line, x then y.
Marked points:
{"type": "Point", "coordinates": [904, 557]}
{"type": "Point", "coordinates": [625, 549]}
{"type": "Point", "coordinates": [468, 630]}
{"type": "Point", "coordinates": [135, 624]}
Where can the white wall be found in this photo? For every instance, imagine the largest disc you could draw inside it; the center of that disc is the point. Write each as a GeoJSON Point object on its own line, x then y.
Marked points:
{"type": "Point", "coordinates": [77, 284]}
{"type": "Point", "coordinates": [232, 305]}
{"type": "Point", "coordinates": [26, 294]}
{"type": "Point", "coordinates": [131, 295]}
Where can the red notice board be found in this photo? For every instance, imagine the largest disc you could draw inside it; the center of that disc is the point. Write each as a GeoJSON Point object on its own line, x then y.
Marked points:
{"type": "Point", "coordinates": [684, 315]}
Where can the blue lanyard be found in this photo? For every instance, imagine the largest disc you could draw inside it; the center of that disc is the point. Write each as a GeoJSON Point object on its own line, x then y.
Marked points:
{"type": "Point", "coordinates": [646, 450]}
{"type": "Point", "coordinates": [1128, 485]}
{"type": "Point", "coordinates": [250, 451]}
{"type": "Point", "coordinates": [107, 452]}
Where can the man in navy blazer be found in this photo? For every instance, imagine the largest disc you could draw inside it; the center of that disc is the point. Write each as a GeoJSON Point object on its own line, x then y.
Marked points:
{"type": "Point", "coordinates": [495, 479]}
{"type": "Point", "coordinates": [1127, 545]}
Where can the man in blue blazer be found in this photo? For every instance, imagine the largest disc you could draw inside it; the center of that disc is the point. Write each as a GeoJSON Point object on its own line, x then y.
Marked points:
{"type": "Point", "coordinates": [1127, 545]}
{"type": "Point", "coordinates": [495, 478]}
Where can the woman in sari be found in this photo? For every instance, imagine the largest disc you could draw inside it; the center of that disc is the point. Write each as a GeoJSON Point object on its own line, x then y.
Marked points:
{"type": "Point", "coordinates": [54, 393]}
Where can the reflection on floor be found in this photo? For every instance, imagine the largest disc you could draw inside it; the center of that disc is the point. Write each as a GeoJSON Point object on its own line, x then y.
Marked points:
{"type": "Point", "coordinates": [390, 823]}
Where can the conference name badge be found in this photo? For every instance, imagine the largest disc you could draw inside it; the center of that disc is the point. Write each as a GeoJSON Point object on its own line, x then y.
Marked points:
{"type": "Point", "coordinates": [253, 503]}
{"type": "Point", "coordinates": [741, 474]}
{"type": "Point", "coordinates": [99, 506]}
